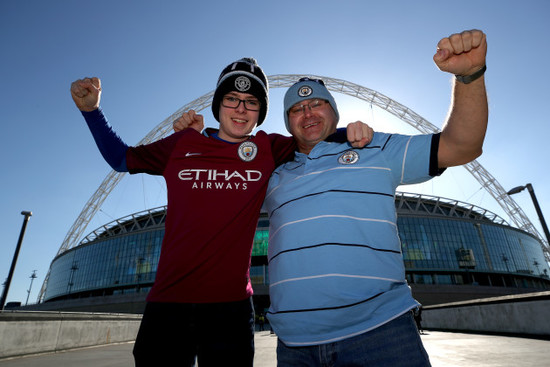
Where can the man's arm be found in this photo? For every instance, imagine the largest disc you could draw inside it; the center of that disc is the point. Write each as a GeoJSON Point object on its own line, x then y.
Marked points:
{"type": "Point", "coordinates": [463, 133]}
{"type": "Point", "coordinates": [86, 95]}
{"type": "Point", "coordinates": [110, 145]}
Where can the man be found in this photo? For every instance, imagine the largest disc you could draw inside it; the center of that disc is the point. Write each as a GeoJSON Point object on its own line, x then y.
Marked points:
{"type": "Point", "coordinates": [337, 280]}
{"type": "Point", "coordinates": [202, 280]}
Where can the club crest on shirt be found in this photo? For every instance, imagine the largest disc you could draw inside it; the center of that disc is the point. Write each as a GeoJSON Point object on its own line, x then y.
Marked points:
{"type": "Point", "coordinates": [247, 151]}
{"type": "Point", "coordinates": [242, 84]}
{"type": "Point", "coordinates": [349, 157]}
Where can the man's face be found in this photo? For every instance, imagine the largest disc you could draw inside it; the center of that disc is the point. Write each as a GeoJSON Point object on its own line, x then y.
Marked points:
{"type": "Point", "coordinates": [239, 114]}
{"type": "Point", "coordinates": [311, 121]}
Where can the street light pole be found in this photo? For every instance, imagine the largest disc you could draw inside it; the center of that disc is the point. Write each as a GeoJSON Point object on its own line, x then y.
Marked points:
{"type": "Point", "coordinates": [33, 277]}
{"type": "Point", "coordinates": [14, 261]}
{"type": "Point", "coordinates": [529, 188]}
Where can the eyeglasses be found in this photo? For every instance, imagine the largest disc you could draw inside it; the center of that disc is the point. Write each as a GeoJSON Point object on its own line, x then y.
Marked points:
{"type": "Point", "coordinates": [234, 102]}
{"type": "Point", "coordinates": [307, 79]}
{"type": "Point", "coordinates": [301, 108]}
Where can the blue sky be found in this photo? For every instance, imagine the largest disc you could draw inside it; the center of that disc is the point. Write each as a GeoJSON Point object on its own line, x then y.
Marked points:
{"type": "Point", "coordinates": [155, 57]}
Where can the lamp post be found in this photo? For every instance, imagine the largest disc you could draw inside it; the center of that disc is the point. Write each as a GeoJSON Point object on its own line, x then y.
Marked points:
{"type": "Point", "coordinates": [14, 261]}
{"type": "Point", "coordinates": [505, 259]}
{"type": "Point", "coordinates": [74, 268]}
{"type": "Point", "coordinates": [529, 187]}
{"type": "Point", "coordinates": [33, 277]}
{"type": "Point", "coordinates": [536, 263]}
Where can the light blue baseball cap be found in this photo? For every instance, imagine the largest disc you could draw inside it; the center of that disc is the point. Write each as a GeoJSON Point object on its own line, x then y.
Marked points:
{"type": "Point", "coordinates": [304, 89]}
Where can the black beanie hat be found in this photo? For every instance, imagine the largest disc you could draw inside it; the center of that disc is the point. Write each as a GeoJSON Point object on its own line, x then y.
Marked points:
{"type": "Point", "coordinates": [244, 76]}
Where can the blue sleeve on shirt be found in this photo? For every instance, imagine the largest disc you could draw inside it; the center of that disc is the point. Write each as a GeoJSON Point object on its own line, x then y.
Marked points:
{"type": "Point", "coordinates": [111, 146]}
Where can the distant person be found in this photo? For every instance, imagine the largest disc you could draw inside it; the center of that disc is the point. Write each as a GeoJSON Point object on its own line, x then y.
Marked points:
{"type": "Point", "coordinates": [417, 312]}
{"type": "Point", "coordinates": [216, 183]}
{"type": "Point", "coordinates": [261, 321]}
{"type": "Point", "coordinates": [339, 296]}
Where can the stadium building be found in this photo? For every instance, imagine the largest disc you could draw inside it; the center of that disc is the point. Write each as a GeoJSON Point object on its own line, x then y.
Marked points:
{"type": "Point", "coordinates": [452, 251]}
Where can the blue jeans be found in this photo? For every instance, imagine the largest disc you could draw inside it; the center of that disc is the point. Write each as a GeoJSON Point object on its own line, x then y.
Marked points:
{"type": "Point", "coordinates": [217, 334]}
{"type": "Point", "coordinates": [396, 343]}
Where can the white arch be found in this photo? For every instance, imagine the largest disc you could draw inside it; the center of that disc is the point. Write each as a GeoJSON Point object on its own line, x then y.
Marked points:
{"type": "Point", "coordinates": [487, 181]}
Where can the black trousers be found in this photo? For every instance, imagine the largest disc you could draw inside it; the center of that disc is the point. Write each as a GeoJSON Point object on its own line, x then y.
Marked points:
{"type": "Point", "coordinates": [217, 334]}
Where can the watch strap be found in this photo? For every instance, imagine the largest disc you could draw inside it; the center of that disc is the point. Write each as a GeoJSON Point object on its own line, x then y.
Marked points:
{"type": "Point", "coordinates": [467, 79]}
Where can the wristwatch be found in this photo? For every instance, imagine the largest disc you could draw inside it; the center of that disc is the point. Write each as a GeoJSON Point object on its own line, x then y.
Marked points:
{"type": "Point", "coordinates": [467, 79]}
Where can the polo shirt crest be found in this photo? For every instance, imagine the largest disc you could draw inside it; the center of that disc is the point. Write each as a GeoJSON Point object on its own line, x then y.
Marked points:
{"type": "Point", "coordinates": [349, 157]}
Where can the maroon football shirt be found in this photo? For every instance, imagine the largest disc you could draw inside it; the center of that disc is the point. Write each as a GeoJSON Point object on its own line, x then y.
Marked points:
{"type": "Point", "coordinates": [215, 192]}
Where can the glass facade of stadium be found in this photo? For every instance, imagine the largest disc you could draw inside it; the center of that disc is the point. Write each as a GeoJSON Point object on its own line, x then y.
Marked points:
{"type": "Point", "coordinates": [448, 247]}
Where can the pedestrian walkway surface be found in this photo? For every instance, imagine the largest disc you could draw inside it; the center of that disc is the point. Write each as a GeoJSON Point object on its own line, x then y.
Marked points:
{"type": "Point", "coordinates": [445, 349]}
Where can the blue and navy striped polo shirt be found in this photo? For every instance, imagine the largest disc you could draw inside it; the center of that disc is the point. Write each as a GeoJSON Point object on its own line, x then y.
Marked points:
{"type": "Point", "coordinates": [335, 263]}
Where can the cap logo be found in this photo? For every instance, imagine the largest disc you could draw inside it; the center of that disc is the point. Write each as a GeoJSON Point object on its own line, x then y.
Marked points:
{"type": "Point", "coordinates": [247, 151]}
{"type": "Point", "coordinates": [305, 91]}
{"type": "Point", "coordinates": [242, 84]}
{"type": "Point", "coordinates": [349, 157]}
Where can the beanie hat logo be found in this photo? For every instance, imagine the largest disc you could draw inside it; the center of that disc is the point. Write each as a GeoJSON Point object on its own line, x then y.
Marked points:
{"type": "Point", "coordinates": [307, 88]}
{"type": "Point", "coordinates": [245, 76]}
{"type": "Point", "coordinates": [242, 84]}
{"type": "Point", "coordinates": [305, 91]}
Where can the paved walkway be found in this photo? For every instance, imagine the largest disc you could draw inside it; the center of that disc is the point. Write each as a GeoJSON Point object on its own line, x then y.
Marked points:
{"type": "Point", "coordinates": [445, 350]}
